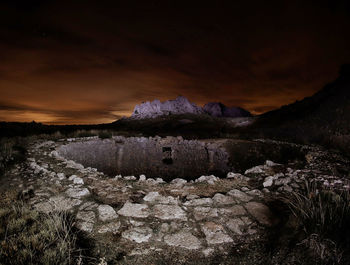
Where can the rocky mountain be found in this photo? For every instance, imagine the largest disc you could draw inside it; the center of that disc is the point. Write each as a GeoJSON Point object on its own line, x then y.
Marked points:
{"type": "Point", "coordinates": [182, 105]}
{"type": "Point", "coordinates": [217, 109]}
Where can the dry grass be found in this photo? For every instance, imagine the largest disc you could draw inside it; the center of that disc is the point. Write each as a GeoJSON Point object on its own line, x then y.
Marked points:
{"type": "Point", "coordinates": [324, 217]}
{"type": "Point", "coordinates": [30, 237]}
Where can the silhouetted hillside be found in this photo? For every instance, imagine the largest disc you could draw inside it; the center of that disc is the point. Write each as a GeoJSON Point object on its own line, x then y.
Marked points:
{"type": "Point", "coordinates": [323, 117]}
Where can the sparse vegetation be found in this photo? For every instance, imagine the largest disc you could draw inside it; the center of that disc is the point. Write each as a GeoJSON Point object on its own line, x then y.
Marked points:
{"type": "Point", "coordinates": [85, 133]}
{"type": "Point", "coordinates": [30, 237]}
{"type": "Point", "coordinates": [105, 134]}
{"type": "Point", "coordinates": [11, 150]}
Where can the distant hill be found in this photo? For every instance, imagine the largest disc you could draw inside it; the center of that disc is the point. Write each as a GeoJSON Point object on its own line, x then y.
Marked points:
{"type": "Point", "coordinates": [217, 109]}
{"type": "Point", "coordinates": [11, 129]}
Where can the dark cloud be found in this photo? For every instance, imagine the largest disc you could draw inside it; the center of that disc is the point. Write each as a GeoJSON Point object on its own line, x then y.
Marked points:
{"type": "Point", "coordinates": [156, 49]}
{"type": "Point", "coordinates": [88, 62]}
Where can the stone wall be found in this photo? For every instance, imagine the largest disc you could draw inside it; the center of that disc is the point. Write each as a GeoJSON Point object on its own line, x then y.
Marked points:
{"type": "Point", "coordinates": [169, 157]}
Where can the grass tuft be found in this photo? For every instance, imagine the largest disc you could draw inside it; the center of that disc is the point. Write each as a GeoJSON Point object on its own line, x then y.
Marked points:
{"type": "Point", "coordinates": [324, 216]}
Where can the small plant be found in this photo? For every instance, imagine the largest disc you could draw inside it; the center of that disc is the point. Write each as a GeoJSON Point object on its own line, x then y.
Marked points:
{"type": "Point", "coordinates": [324, 217]}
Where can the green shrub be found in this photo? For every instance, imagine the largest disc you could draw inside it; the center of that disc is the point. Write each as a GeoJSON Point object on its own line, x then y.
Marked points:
{"type": "Point", "coordinates": [30, 237]}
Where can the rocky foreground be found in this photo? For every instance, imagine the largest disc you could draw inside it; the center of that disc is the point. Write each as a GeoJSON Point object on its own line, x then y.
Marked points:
{"type": "Point", "coordinates": [140, 220]}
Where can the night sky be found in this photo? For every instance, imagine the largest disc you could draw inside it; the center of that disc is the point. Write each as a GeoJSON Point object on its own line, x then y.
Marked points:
{"type": "Point", "coordinates": [81, 62]}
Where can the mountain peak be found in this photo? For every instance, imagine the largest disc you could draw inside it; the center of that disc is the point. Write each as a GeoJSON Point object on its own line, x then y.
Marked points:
{"type": "Point", "coordinates": [181, 105]}
{"type": "Point", "coordinates": [153, 109]}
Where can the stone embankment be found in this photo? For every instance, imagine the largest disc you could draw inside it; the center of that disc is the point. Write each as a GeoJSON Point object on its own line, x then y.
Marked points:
{"type": "Point", "coordinates": [140, 219]}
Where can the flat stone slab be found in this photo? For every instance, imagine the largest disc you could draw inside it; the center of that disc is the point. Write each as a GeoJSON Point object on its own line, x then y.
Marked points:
{"type": "Point", "coordinates": [138, 234]}
{"type": "Point", "coordinates": [136, 210]}
{"type": "Point", "coordinates": [183, 239]}
{"type": "Point", "coordinates": [215, 233]}
{"type": "Point", "coordinates": [106, 213]}
{"type": "Point", "coordinates": [169, 212]}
